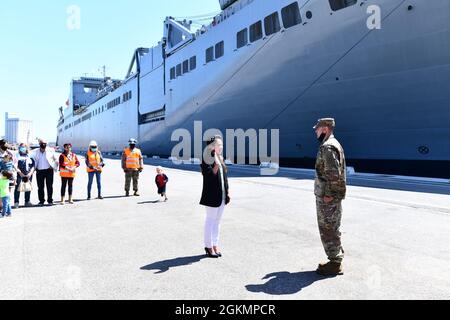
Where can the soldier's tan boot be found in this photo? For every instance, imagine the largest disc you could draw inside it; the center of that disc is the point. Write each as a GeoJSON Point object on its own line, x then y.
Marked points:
{"type": "Point", "coordinates": [70, 200]}
{"type": "Point", "coordinates": [330, 269]}
{"type": "Point", "coordinates": [63, 201]}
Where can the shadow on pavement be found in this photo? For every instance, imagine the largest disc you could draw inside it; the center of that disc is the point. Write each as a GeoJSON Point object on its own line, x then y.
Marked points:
{"type": "Point", "coordinates": [165, 265]}
{"type": "Point", "coordinates": [147, 202]}
{"type": "Point", "coordinates": [114, 197]}
{"type": "Point", "coordinates": [280, 283]}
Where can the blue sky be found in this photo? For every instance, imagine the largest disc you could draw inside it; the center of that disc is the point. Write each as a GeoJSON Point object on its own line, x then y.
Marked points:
{"type": "Point", "coordinates": [40, 54]}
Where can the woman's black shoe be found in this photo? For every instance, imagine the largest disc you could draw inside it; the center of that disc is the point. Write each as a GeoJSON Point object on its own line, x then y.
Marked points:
{"type": "Point", "coordinates": [209, 254]}
{"type": "Point", "coordinates": [218, 253]}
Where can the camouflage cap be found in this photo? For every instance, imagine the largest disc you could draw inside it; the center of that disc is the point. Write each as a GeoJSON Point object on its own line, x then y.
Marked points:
{"type": "Point", "coordinates": [325, 122]}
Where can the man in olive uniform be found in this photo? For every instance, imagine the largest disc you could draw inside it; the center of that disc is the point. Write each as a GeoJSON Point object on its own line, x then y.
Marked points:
{"type": "Point", "coordinates": [132, 165]}
{"type": "Point", "coordinates": [330, 188]}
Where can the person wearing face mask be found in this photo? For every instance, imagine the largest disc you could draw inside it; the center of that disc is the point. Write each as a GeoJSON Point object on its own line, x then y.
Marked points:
{"type": "Point", "coordinates": [4, 150]}
{"type": "Point", "coordinates": [68, 164]}
{"type": "Point", "coordinates": [330, 190]}
{"type": "Point", "coordinates": [215, 193]}
{"type": "Point", "coordinates": [25, 170]}
{"type": "Point", "coordinates": [132, 165]}
{"type": "Point", "coordinates": [94, 167]}
{"type": "Point", "coordinates": [46, 166]}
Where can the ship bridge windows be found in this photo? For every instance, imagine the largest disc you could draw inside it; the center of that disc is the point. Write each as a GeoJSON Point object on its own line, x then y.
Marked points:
{"type": "Point", "coordinates": [242, 38]}
{"type": "Point", "coordinates": [291, 15]}
{"type": "Point", "coordinates": [172, 73]}
{"type": "Point", "coordinates": [220, 49]}
{"type": "Point", "coordinates": [272, 24]}
{"type": "Point", "coordinates": [209, 54]}
{"type": "Point", "coordinates": [179, 70]}
{"type": "Point", "coordinates": [256, 31]}
{"type": "Point", "coordinates": [341, 4]}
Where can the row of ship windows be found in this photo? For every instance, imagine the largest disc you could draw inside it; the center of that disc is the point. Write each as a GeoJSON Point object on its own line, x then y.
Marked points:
{"type": "Point", "coordinates": [290, 15]}
{"type": "Point", "coordinates": [113, 103]}
{"type": "Point", "coordinates": [216, 51]}
{"type": "Point", "coordinates": [182, 68]}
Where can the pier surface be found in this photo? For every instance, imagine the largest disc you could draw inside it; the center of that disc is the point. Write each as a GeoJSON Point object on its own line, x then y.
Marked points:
{"type": "Point", "coordinates": [396, 236]}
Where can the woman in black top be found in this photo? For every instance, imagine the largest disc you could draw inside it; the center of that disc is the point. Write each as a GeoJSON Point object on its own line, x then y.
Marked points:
{"type": "Point", "coordinates": [26, 167]}
{"type": "Point", "coordinates": [215, 194]}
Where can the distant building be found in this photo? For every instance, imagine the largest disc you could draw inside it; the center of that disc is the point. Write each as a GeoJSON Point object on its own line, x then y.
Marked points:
{"type": "Point", "coordinates": [18, 130]}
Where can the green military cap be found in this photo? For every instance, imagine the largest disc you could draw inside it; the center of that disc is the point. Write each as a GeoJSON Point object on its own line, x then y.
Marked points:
{"type": "Point", "coordinates": [325, 122]}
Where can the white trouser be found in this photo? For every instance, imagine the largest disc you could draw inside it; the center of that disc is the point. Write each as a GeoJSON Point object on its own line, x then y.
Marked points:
{"type": "Point", "coordinates": [212, 225]}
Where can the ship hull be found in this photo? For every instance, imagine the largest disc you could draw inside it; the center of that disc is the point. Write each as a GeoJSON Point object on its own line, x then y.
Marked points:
{"type": "Point", "coordinates": [387, 90]}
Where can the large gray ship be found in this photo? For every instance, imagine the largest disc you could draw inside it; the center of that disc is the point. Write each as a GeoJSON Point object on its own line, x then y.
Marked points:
{"type": "Point", "coordinates": [282, 64]}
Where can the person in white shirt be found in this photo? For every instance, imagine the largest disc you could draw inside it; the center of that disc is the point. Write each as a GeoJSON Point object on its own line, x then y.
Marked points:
{"type": "Point", "coordinates": [46, 166]}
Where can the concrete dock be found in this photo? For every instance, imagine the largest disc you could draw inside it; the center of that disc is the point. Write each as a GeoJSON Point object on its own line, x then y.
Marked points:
{"type": "Point", "coordinates": [396, 236]}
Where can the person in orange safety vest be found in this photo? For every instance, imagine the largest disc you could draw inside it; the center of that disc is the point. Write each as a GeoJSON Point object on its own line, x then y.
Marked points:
{"type": "Point", "coordinates": [132, 165]}
{"type": "Point", "coordinates": [68, 164]}
{"type": "Point", "coordinates": [94, 167]}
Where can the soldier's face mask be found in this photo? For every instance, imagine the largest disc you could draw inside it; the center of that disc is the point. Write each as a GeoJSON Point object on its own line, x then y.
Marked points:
{"type": "Point", "coordinates": [321, 133]}
{"type": "Point", "coordinates": [132, 146]}
{"type": "Point", "coordinates": [321, 138]}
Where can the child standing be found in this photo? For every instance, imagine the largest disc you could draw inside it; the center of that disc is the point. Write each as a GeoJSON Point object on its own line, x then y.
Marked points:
{"type": "Point", "coordinates": [7, 179]}
{"type": "Point", "coordinates": [7, 164]}
{"type": "Point", "coordinates": [161, 182]}
{"type": "Point", "coordinates": [5, 193]}
{"type": "Point", "coordinates": [8, 169]}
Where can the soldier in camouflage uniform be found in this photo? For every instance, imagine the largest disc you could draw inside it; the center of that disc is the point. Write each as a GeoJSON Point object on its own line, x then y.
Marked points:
{"type": "Point", "coordinates": [330, 189]}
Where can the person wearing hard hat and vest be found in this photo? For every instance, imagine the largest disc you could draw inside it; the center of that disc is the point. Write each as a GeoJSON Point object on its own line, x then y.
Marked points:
{"type": "Point", "coordinates": [132, 165]}
{"type": "Point", "coordinates": [94, 167]}
{"type": "Point", "coordinates": [68, 164]}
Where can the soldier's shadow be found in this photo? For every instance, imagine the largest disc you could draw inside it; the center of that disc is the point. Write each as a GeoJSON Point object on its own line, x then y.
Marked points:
{"type": "Point", "coordinates": [280, 283]}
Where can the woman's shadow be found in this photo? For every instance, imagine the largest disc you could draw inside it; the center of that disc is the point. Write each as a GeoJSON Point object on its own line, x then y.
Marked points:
{"type": "Point", "coordinates": [280, 283]}
{"type": "Point", "coordinates": [165, 265]}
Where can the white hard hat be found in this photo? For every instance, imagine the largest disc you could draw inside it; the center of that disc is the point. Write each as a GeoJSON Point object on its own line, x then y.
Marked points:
{"type": "Point", "coordinates": [93, 144]}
